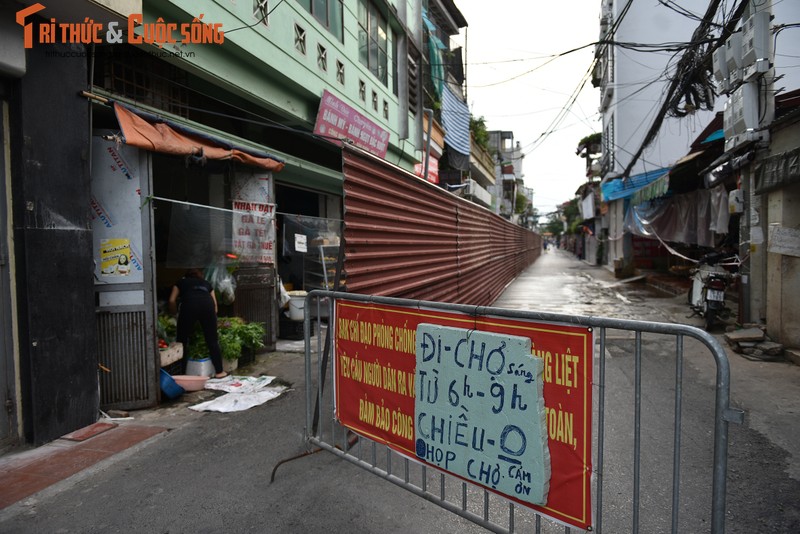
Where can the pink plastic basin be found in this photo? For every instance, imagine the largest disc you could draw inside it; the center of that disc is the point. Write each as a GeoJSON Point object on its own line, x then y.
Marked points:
{"type": "Point", "coordinates": [191, 382]}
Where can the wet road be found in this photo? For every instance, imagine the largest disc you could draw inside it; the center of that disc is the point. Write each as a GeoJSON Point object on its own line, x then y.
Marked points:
{"type": "Point", "coordinates": [211, 472]}
{"type": "Point", "coordinates": [559, 283]}
{"type": "Point", "coordinates": [762, 469]}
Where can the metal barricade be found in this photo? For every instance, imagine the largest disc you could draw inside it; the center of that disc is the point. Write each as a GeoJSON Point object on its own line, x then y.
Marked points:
{"type": "Point", "coordinates": [633, 486]}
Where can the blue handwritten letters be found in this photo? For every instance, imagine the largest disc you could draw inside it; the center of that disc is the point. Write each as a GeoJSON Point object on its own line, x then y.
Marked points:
{"type": "Point", "coordinates": [479, 410]}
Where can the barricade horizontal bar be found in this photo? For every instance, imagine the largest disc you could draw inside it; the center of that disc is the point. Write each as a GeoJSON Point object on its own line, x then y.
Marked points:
{"type": "Point", "coordinates": [321, 412]}
{"type": "Point", "coordinates": [399, 481]}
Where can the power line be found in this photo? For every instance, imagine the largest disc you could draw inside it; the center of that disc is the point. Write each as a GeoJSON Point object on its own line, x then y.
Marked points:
{"type": "Point", "coordinates": [264, 16]}
{"type": "Point", "coordinates": [692, 71]}
{"type": "Point", "coordinates": [675, 46]}
{"type": "Point", "coordinates": [560, 117]}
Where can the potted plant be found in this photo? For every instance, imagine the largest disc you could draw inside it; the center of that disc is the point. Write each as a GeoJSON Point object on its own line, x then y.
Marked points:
{"type": "Point", "coordinates": [169, 350]}
{"type": "Point", "coordinates": [235, 334]}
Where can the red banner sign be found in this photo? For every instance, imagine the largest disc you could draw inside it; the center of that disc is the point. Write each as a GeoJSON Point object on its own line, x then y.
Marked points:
{"type": "Point", "coordinates": [375, 360]}
{"type": "Point", "coordinates": [433, 170]}
{"type": "Point", "coordinates": [337, 119]}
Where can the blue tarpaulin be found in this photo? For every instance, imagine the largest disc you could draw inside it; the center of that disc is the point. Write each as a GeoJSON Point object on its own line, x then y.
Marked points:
{"type": "Point", "coordinates": [719, 134]}
{"type": "Point", "coordinates": [455, 116]}
{"type": "Point", "coordinates": [435, 55]}
{"type": "Point", "coordinates": [619, 188]}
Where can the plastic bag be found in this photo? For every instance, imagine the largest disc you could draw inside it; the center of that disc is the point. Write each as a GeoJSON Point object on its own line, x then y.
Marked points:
{"type": "Point", "coordinates": [224, 284]}
{"type": "Point", "coordinates": [284, 295]}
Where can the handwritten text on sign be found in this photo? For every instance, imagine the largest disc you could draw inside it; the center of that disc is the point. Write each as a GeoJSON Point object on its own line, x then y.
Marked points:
{"type": "Point", "coordinates": [376, 390]}
{"type": "Point", "coordinates": [480, 409]}
{"type": "Point", "coordinates": [254, 231]}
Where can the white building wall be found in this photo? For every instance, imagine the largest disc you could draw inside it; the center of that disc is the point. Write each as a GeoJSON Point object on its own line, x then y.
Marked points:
{"type": "Point", "coordinates": [635, 100]}
{"type": "Point", "coordinates": [616, 234]}
{"type": "Point", "coordinates": [638, 85]}
{"type": "Point", "coordinates": [786, 43]}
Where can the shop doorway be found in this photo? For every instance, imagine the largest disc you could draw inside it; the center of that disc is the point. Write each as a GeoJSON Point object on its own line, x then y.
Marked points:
{"type": "Point", "coordinates": [292, 201]}
{"type": "Point", "coordinates": [206, 216]}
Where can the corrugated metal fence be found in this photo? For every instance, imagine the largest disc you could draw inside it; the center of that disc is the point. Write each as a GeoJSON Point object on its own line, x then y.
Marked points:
{"type": "Point", "coordinates": [405, 237]}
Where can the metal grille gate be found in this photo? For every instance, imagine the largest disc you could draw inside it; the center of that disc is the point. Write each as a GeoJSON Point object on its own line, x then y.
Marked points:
{"type": "Point", "coordinates": [633, 486]}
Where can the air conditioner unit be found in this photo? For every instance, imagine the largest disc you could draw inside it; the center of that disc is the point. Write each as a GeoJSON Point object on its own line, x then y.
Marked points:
{"type": "Point", "coordinates": [733, 58]}
{"type": "Point", "coordinates": [720, 62]}
{"type": "Point", "coordinates": [755, 38]}
{"type": "Point", "coordinates": [605, 22]}
{"type": "Point", "coordinates": [727, 119]}
{"type": "Point", "coordinates": [745, 107]}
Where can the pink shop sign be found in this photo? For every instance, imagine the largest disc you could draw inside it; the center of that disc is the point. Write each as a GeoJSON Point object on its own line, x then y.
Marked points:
{"type": "Point", "coordinates": [337, 119]}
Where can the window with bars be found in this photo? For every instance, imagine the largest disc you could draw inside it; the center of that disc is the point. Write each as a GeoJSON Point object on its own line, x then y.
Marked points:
{"type": "Point", "coordinates": [328, 13]}
{"type": "Point", "coordinates": [395, 67]}
{"type": "Point", "coordinates": [373, 40]}
{"type": "Point", "coordinates": [413, 85]}
{"type": "Point", "coordinates": [607, 159]}
{"type": "Point", "coordinates": [261, 11]}
{"type": "Point", "coordinates": [299, 39]}
{"type": "Point", "coordinates": [144, 80]}
{"type": "Point", "coordinates": [322, 58]}
{"type": "Point", "coordinates": [340, 72]}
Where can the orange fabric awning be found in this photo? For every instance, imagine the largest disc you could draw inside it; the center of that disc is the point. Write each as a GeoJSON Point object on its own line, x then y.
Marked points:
{"type": "Point", "coordinates": [152, 133]}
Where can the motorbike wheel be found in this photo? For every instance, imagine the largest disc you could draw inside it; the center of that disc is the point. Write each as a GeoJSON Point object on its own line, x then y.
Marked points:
{"type": "Point", "coordinates": [711, 318]}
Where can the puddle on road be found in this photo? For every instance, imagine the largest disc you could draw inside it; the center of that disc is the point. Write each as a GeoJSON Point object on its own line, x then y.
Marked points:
{"type": "Point", "coordinates": [587, 296]}
{"type": "Point", "coordinates": [578, 293]}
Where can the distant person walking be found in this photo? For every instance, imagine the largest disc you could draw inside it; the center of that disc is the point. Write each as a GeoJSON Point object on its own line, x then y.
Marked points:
{"type": "Point", "coordinates": [197, 303]}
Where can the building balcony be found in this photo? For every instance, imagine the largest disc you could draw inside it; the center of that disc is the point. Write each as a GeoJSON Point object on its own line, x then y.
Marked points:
{"type": "Point", "coordinates": [481, 165]}
{"type": "Point", "coordinates": [437, 135]}
{"type": "Point", "coordinates": [478, 194]}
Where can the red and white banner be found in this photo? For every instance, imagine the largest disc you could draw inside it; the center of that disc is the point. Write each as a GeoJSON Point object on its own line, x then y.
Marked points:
{"type": "Point", "coordinates": [337, 119]}
{"type": "Point", "coordinates": [376, 390]}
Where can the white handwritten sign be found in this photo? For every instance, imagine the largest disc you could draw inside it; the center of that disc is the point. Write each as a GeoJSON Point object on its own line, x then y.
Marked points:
{"type": "Point", "coordinates": [253, 232]}
{"type": "Point", "coordinates": [479, 410]}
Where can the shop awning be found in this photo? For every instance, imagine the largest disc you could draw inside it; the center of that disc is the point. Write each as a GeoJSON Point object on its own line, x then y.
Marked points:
{"type": "Point", "coordinates": [715, 136]}
{"type": "Point", "coordinates": [687, 158]}
{"type": "Point", "coordinates": [150, 132]}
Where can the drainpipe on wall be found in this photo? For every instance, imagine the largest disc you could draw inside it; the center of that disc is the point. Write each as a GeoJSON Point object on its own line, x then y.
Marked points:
{"type": "Point", "coordinates": [428, 142]}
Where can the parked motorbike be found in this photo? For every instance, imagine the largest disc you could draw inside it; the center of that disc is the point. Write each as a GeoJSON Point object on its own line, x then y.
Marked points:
{"type": "Point", "coordinates": [710, 280]}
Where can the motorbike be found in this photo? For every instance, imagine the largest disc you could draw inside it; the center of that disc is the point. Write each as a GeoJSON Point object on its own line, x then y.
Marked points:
{"type": "Point", "coordinates": [710, 280]}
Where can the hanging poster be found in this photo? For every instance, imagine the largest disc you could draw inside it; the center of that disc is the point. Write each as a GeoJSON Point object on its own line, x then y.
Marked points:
{"type": "Point", "coordinates": [115, 257]}
{"type": "Point", "coordinates": [252, 187]}
{"type": "Point", "coordinates": [479, 410]}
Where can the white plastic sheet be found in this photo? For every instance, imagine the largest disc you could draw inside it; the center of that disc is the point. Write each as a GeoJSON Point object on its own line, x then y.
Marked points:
{"type": "Point", "coordinates": [243, 392]}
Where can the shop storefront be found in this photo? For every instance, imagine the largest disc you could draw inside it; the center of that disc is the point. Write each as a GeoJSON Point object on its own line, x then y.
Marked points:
{"type": "Point", "coordinates": [168, 195]}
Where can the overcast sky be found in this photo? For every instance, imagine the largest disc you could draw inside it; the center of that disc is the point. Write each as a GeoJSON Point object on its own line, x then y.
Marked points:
{"type": "Point", "coordinates": [516, 84]}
